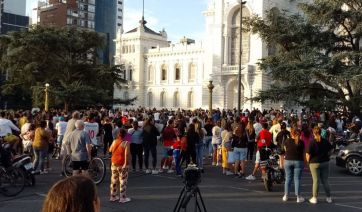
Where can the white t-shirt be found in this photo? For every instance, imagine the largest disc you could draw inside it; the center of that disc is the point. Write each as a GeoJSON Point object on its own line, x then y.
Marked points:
{"type": "Point", "coordinates": [61, 126]}
{"type": "Point", "coordinates": [156, 116]}
{"type": "Point", "coordinates": [92, 129]}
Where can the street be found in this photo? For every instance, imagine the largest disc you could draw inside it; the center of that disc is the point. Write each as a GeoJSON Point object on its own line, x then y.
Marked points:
{"type": "Point", "coordinates": [153, 193]}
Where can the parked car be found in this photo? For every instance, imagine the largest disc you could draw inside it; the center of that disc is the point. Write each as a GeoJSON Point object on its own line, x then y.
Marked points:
{"type": "Point", "coordinates": [351, 158]}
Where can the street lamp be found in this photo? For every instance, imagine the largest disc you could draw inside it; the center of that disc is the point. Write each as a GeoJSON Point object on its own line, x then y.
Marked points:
{"type": "Point", "coordinates": [210, 87]}
{"type": "Point", "coordinates": [240, 53]}
{"type": "Point", "coordinates": [46, 102]}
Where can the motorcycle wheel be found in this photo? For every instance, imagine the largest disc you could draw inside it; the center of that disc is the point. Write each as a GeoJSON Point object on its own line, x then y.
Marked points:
{"type": "Point", "coordinates": [268, 183]}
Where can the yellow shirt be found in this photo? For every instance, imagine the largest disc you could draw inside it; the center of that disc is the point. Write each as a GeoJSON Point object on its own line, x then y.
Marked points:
{"type": "Point", "coordinates": [22, 121]}
{"type": "Point", "coordinates": [41, 139]}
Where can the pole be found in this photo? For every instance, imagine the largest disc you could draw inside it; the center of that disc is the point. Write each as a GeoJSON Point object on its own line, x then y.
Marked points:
{"type": "Point", "coordinates": [46, 103]}
{"type": "Point", "coordinates": [240, 53]}
{"type": "Point", "coordinates": [210, 87]}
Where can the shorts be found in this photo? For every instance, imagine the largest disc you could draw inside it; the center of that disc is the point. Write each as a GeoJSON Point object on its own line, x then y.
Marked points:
{"type": "Point", "coordinates": [240, 154]}
{"type": "Point", "coordinates": [60, 139]}
{"type": "Point", "coordinates": [166, 151]}
{"type": "Point", "coordinates": [80, 165]}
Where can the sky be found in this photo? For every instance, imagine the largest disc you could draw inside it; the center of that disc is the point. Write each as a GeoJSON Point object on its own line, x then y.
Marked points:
{"type": "Point", "coordinates": [178, 17]}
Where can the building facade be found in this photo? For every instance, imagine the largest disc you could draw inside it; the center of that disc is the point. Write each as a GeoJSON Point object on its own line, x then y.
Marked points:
{"type": "Point", "coordinates": [78, 13]}
{"type": "Point", "coordinates": [12, 16]}
{"type": "Point", "coordinates": [176, 75]}
{"type": "Point", "coordinates": [109, 20]}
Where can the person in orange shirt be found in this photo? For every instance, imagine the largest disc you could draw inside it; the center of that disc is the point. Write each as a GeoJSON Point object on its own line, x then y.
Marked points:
{"type": "Point", "coordinates": [120, 150]}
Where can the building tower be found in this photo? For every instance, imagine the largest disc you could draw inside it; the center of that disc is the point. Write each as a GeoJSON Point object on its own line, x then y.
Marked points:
{"type": "Point", "coordinates": [12, 16]}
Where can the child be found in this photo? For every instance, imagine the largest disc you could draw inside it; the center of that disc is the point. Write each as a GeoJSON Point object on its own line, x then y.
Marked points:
{"type": "Point", "coordinates": [177, 154]}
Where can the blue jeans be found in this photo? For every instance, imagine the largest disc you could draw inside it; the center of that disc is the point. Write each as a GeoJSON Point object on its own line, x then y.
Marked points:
{"type": "Point", "coordinates": [293, 168]}
{"type": "Point", "coordinates": [208, 146]}
{"type": "Point", "coordinates": [39, 157]}
{"type": "Point", "coordinates": [199, 154]}
{"type": "Point", "coordinates": [177, 158]}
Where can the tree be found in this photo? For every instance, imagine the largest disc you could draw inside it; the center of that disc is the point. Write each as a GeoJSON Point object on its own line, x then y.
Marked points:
{"type": "Point", "coordinates": [66, 58]}
{"type": "Point", "coordinates": [319, 58]}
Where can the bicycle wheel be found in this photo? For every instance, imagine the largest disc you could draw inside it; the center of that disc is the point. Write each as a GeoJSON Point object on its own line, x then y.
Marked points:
{"type": "Point", "coordinates": [67, 166]}
{"type": "Point", "coordinates": [12, 182]}
{"type": "Point", "coordinates": [97, 170]}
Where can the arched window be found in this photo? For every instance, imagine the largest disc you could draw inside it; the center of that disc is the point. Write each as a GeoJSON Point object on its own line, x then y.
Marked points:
{"type": "Point", "coordinates": [192, 72]}
{"type": "Point", "coordinates": [163, 73]}
{"type": "Point", "coordinates": [130, 77]}
{"type": "Point", "coordinates": [149, 99]}
{"type": "Point", "coordinates": [126, 95]}
{"type": "Point", "coordinates": [235, 39]}
{"type": "Point", "coordinates": [177, 72]}
{"type": "Point", "coordinates": [163, 99]}
{"type": "Point", "coordinates": [176, 99]}
{"type": "Point", "coordinates": [150, 75]}
{"type": "Point", "coordinates": [190, 99]}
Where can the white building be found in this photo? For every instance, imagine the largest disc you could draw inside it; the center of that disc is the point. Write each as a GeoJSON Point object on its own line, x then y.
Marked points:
{"type": "Point", "coordinates": [168, 75]}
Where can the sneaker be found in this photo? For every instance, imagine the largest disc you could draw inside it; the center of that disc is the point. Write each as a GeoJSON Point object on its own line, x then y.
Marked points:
{"type": "Point", "coordinates": [285, 198]}
{"type": "Point", "coordinates": [250, 177]}
{"type": "Point", "coordinates": [160, 171]}
{"type": "Point", "coordinates": [300, 199]}
{"type": "Point", "coordinates": [213, 164]}
{"type": "Point", "coordinates": [228, 173]}
{"type": "Point", "coordinates": [148, 171]}
{"type": "Point", "coordinates": [124, 200]}
{"type": "Point", "coordinates": [217, 164]}
{"type": "Point", "coordinates": [170, 171]}
{"type": "Point", "coordinates": [114, 199]}
{"type": "Point", "coordinates": [154, 172]}
{"type": "Point", "coordinates": [313, 200]}
{"type": "Point", "coordinates": [329, 199]}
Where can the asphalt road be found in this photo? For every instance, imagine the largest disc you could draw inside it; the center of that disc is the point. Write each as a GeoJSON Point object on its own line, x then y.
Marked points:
{"type": "Point", "coordinates": [157, 193]}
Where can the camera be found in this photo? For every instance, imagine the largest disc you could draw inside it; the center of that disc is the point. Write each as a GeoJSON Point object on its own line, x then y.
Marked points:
{"type": "Point", "coordinates": [192, 176]}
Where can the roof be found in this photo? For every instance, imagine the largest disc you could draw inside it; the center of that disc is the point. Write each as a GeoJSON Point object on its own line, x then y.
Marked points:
{"type": "Point", "coordinates": [147, 30]}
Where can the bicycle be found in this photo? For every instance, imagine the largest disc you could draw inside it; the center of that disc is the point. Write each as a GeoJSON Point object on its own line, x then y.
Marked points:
{"type": "Point", "coordinates": [96, 169]}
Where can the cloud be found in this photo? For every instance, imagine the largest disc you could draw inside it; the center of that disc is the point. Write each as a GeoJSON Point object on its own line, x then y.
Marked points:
{"type": "Point", "coordinates": [132, 17]}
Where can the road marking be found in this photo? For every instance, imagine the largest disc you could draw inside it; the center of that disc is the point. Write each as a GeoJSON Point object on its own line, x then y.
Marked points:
{"type": "Point", "coordinates": [349, 206]}
{"type": "Point", "coordinates": [40, 194]}
{"type": "Point", "coordinates": [245, 189]}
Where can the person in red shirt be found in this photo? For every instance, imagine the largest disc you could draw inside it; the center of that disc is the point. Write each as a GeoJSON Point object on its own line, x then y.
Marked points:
{"type": "Point", "coordinates": [169, 138]}
{"type": "Point", "coordinates": [177, 146]}
{"type": "Point", "coordinates": [264, 140]}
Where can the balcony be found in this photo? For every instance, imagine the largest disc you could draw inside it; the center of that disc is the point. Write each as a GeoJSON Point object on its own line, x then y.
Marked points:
{"type": "Point", "coordinates": [233, 70]}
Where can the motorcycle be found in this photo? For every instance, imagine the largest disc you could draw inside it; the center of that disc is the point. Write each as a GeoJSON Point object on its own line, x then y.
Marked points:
{"type": "Point", "coordinates": [22, 162]}
{"type": "Point", "coordinates": [272, 174]}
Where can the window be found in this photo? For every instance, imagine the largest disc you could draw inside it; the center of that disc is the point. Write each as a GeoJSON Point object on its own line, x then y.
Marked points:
{"type": "Point", "coordinates": [125, 95]}
{"type": "Point", "coordinates": [149, 99]}
{"type": "Point", "coordinates": [130, 75]}
{"type": "Point", "coordinates": [163, 99]}
{"type": "Point", "coordinates": [190, 99]}
{"type": "Point", "coordinates": [150, 73]}
{"type": "Point", "coordinates": [192, 72]}
{"type": "Point", "coordinates": [163, 73]}
{"type": "Point", "coordinates": [176, 99]}
{"type": "Point", "coordinates": [235, 39]}
{"type": "Point", "coordinates": [177, 72]}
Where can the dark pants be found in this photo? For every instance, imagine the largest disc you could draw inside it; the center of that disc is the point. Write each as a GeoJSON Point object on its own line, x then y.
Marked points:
{"type": "Point", "coordinates": [190, 153]}
{"type": "Point", "coordinates": [250, 152]}
{"type": "Point", "coordinates": [147, 149]}
{"type": "Point", "coordinates": [136, 152]}
{"type": "Point", "coordinates": [107, 143]}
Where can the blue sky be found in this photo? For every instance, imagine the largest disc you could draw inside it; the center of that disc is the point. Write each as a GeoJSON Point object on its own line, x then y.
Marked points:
{"type": "Point", "coordinates": [178, 17]}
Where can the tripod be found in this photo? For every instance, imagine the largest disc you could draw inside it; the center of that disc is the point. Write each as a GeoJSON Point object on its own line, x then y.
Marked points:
{"type": "Point", "coordinates": [187, 193]}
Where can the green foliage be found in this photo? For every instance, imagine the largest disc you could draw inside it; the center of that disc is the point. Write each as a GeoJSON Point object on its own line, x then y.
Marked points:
{"type": "Point", "coordinates": [66, 58]}
{"type": "Point", "coordinates": [319, 57]}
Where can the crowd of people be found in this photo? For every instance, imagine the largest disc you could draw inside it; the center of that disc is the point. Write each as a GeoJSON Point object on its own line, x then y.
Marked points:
{"type": "Point", "coordinates": [128, 137]}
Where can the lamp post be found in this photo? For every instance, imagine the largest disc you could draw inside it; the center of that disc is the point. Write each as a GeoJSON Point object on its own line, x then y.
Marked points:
{"type": "Point", "coordinates": [46, 101]}
{"type": "Point", "coordinates": [240, 53]}
{"type": "Point", "coordinates": [210, 87]}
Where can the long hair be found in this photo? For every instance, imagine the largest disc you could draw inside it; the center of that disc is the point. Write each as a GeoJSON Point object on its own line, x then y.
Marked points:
{"type": "Point", "coordinates": [317, 133]}
{"type": "Point", "coordinates": [73, 194]}
{"type": "Point", "coordinates": [295, 134]}
{"type": "Point", "coordinates": [250, 127]}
